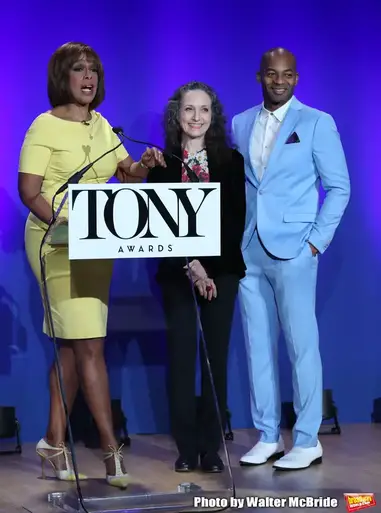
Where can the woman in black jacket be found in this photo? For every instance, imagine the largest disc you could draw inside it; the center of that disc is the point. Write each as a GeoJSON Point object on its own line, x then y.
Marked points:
{"type": "Point", "coordinates": [195, 132]}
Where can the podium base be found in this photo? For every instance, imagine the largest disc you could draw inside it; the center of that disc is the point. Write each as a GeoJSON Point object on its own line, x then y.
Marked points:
{"type": "Point", "coordinates": [182, 500]}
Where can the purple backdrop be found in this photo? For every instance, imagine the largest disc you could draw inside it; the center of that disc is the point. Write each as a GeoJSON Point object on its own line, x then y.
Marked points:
{"type": "Point", "coordinates": [149, 48]}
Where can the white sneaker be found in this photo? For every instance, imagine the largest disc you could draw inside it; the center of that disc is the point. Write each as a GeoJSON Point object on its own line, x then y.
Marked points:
{"type": "Point", "coordinates": [262, 452]}
{"type": "Point", "coordinates": [299, 458]}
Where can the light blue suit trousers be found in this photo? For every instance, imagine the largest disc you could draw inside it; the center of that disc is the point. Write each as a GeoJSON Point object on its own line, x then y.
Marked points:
{"type": "Point", "coordinates": [279, 289]}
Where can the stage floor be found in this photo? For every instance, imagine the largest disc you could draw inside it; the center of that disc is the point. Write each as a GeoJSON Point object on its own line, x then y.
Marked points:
{"type": "Point", "coordinates": [351, 463]}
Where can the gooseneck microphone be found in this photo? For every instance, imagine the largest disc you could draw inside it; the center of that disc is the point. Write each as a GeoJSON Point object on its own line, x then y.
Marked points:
{"type": "Point", "coordinates": [76, 177]}
{"type": "Point", "coordinates": [192, 175]}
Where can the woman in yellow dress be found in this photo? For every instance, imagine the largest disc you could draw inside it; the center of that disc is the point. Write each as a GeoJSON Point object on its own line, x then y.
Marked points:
{"type": "Point", "coordinates": [57, 144]}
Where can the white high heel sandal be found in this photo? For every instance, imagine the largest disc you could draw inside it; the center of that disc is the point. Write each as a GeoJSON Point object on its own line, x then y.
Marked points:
{"type": "Point", "coordinates": [63, 475]}
{"type": "Point", "coordinates": [120, 479]}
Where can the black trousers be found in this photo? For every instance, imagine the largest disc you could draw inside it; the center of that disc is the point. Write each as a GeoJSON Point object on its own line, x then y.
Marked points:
{"type": "Point", "coordinates": [196, 428]}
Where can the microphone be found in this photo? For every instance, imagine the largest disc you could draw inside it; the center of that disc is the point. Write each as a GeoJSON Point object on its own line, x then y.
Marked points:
{"type": "Point", "coordinates": [192, 175]}
{"type": "Point", "coordinates": [75, 178]}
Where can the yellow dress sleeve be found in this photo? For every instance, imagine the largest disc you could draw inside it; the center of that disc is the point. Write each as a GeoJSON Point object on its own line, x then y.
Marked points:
{"type": "Point", "coordinates": [35, 152]}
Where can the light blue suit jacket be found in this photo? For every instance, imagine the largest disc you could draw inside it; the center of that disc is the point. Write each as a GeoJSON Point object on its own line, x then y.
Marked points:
{"type": "Point", "coordinates": [284, 205]}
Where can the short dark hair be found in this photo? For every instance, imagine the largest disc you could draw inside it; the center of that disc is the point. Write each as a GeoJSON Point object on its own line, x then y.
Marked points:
{"type": "Point", "coordinates": [216, 138]}
{"type": "Point", "coordinates": [59, 67]}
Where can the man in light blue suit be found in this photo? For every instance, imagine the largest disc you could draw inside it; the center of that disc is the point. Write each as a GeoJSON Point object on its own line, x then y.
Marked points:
{"type": "Point", "coordinates": [290, 150]}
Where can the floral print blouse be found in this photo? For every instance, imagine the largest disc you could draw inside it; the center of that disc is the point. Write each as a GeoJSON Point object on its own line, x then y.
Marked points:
{"type": "Point", "coordinates": [198, 162]}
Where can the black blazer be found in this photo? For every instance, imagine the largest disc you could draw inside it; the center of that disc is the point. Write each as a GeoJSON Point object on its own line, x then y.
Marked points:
{"type": "Point", "coordinates": [231, 175]}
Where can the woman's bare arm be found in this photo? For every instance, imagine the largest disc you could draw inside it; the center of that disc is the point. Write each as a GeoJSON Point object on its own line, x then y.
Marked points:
{"type": "Point", "coordinates": [29, 188]}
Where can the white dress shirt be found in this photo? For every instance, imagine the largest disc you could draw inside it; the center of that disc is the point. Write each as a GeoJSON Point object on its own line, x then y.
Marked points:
{"type": "Point", "coordinates": [264, 134]}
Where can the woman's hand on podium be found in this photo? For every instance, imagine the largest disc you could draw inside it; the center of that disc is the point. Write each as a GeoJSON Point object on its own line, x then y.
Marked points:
{"type": "Point", "coordinates": [60, 220]}
{"type": "Point", "coordinates": [58, 236]}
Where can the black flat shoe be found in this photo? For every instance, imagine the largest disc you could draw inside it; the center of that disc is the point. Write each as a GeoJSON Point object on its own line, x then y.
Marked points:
{"type": "Point", "coordinates": [185, 464]}
{"type": "Point", "coordinates": [211, 463]}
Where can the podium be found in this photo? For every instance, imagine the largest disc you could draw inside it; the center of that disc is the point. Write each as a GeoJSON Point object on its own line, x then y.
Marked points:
{"type": "Point", "coordinates": [112, 221]}
{"type": "Point", "coordinates": [109, 221]}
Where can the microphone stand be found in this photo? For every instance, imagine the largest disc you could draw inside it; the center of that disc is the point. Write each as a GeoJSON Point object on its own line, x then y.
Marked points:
{"type": "Point", "coordinates": [195, 179]}
{"type": "Point", "coordinates": [48, 310]}
{"type": "Point", "coordinates": [75, 178]}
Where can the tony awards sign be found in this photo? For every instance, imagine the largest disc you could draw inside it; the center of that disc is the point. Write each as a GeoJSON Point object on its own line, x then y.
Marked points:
{"type": "Point", "coordinates": [143, 220]}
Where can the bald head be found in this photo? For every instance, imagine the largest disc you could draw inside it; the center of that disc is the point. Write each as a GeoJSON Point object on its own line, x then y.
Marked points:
{"type": "Point", "coordinates": [278, 77]}
{"type": "Point", "coordinates": [276, 54]}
